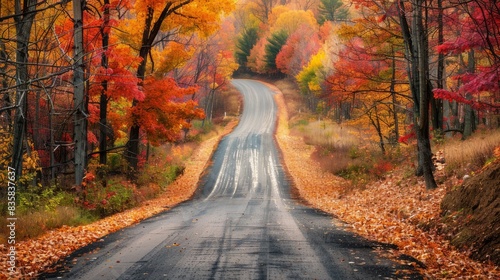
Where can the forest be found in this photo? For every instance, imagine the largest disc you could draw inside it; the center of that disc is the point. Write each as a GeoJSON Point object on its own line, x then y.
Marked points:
{"type": "Point", "coordinates": [404, 69]}
{"type": "Point", "coordinates": [101, 98]}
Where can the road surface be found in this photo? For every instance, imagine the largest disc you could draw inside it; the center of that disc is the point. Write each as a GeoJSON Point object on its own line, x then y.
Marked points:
{"type": "Point", "coordinates": [242, 224]}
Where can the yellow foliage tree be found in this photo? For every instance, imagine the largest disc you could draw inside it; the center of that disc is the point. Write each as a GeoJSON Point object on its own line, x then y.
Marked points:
{"type": "Point", "coordinates": [292, 19]}
{"type": "Point", "coordinates": [366, 76]}
{"type": "Point", "coordinates": [312, 76]}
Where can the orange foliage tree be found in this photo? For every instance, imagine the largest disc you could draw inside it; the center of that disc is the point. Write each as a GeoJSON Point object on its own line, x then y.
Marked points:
{"type": "Point", "coordinates": [110, 67]}
{"type": "Point", "coordinates": [161, 114]}
{"type": "Point", "coordinates": [369, 77]}
{"type": "Point", "coordinates": [210, 66]}
{"type": "Point", "coordinates": [150, 29]}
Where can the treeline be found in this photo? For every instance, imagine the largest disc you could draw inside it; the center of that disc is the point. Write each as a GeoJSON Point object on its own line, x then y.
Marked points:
{"type": "Point", "coordinates": [408, 69]}
{"type": "Point", "coordinates": [83, 78]}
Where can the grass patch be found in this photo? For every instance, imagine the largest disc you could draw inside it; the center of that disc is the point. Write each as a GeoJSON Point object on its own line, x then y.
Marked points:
{"type": "Point", "coordinates": [41, 209]}
{"type": "Point", "coordinates": [343, 150]}
{"type": "Point", "coordinates": [329, 134]}
{"type": "Point", "coordinates": [35, 223]}
{"type": "Point", "coordinates": [464, 156]}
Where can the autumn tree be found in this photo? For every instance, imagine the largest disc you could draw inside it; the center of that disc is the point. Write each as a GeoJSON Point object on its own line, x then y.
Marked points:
{"type": "Point", "coordinates": [19, 51]}
{"type": "Point", "coordinates": [46, 66]}
{"type": "Point", "coordinates": [161, 115]}
{"type": "Point", "coordinates": [249, 29]}
{"type": "Point", "coordinates": [219, 72]}
{"type": "Point", "coordinates": [112, 75]}
{"type": "Point", "coordinates": [297, 52]}
{"type": "Point", "coordinates": [364, 87]}
{"type": "Point", "coordinates": [291, 20]}
{"type": "Point", "coordinates": [261, 9]}
{"type": "Point", "coordinates": [222, 65]}
{"type": "Point", "coordinates": [108, 71]}
{"type": "Point", "coordinates": [183, 16]}
{"type": "Point", "coordinates": [210, 67]}
{"type": "Point", "coordinates": [369, 77]}
{"type": "Point", "coordinates": [475, 52]}
{"type": "Point", "coordinates": [283, 22]}
{"type": "Point", "coordinates": [311, 79]}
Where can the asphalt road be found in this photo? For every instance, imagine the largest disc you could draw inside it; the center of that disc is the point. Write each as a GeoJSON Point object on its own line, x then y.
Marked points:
{"type": "Point", "coordinates": [242, 224]}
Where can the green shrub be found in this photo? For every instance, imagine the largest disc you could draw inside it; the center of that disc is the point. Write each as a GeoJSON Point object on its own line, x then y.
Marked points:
{"type": "Point", "coordinates": [354, 152]}
{"type": "Point", "coordinates": [163, 177]}
{"type": "Point", "coordinates": [355, 171]}
{"type": "Point", "coordinates": [40, 198]}
{"type": "Point", "coordinates": [300, 123]}
{"type": "Point", "coordinates": [113, 198]}
{"type": "Point", "coordinates": [116, 164]}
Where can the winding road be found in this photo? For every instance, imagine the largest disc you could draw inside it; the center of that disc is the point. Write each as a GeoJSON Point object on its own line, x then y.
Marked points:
{"type": "Point", "coordinates": [242, 223]}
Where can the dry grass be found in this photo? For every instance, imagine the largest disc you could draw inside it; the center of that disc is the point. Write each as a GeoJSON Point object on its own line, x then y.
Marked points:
{"type": "Point", "coordinates": [29, 225]}
{"type": "Point", "coordinates": [294, 101]}
{"type": "Point", "coordinates": [329, 134]}
{"type": "Point", "coordinates": [33, 224]}
{"type": "Point", "coordinates": [463, 157]}
{"type": "Point", "coordinates": [336, 146]}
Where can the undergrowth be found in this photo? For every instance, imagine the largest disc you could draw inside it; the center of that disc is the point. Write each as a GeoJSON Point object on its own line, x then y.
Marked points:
{"type": "Point", "coordinates": [343, 151]}
{"type": "Point", "coordinates": [105, 190]}
{"type": "Point", "coordinates": [44, 208]}
{"type": "Point", "coordinates": [351, 153]}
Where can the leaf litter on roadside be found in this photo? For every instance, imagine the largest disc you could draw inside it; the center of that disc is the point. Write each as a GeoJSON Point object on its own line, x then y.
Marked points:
{"type": "Point", "coordinates": [383, 211]}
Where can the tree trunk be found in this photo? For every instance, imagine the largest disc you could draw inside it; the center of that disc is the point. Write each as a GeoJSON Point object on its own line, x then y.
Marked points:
{"type": "Point", "coordinates": [103, 102]}
{"type": "Point", "coordinates": [455, 109]}
{"type": "Point", "coordinates": [437, 104]}
{"type": "Point", "coordinates": [418, 72]}
{"type": "Point", "coordinates": [469, 120]}
{"type": "Point", "coordinates": [80, 128]}
{"type": "Point", "coordinates": [209, 105]}
{"type": "Point", "coordinates": [394, 99]}
{"type": "Point", "coordinates": [24, 20]}
{"type": "Point", "coordinates": [52, 145]}
{"type": "Point", "coordinates": [376, 124]}
{"type": "Point", "coordinates": [132, 152]}
{"type": "Point", "coordinates": [424, 145]}
{"type": "Point", "coordinates": [6, 102]}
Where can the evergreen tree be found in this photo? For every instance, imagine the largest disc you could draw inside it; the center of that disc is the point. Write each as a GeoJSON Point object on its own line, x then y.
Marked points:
{"type": "Point", "coordinates": [275, 42]}
{"type": "Point", "coordinates": [245, 44]}
{"type": "Point", "coordinates": [332, 10]}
